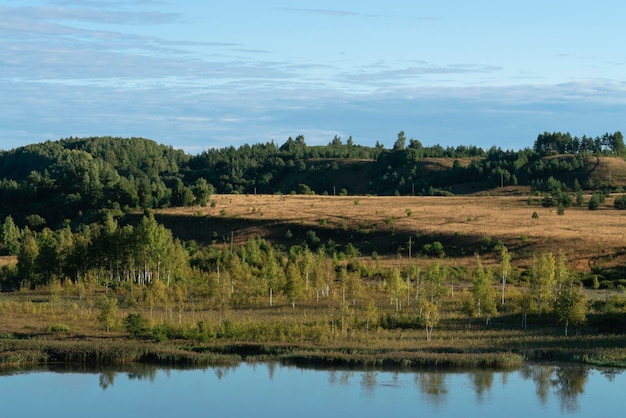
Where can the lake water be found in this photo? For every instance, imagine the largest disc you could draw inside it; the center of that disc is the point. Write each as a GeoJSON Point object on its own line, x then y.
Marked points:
{"type": "Point", "coordinates": [266, 390]}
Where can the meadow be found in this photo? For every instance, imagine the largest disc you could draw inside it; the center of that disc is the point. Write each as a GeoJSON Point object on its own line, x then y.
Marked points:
{"type": "Point", "coordinates": [383, 224]}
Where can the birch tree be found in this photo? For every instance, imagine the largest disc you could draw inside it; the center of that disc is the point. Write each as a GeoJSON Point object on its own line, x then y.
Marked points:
{"type": "Point", "coordinates": [430, 315]}
{"type": "Point", "coordinates": [571, 307]}
{"type": "Point", "coordinates": [505, 268]}
{"type": "Point", "coordinates": [483, 292]}
{"type": "Point", "coordinates": [542, 280]}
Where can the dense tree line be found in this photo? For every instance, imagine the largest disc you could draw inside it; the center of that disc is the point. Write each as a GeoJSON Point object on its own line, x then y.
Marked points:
{"type": "Point", "coordinates": [564, 143]}
{"type": "Point", "coordinates": [106, 251]}
{"type": "Point", "coordinates": [48, 183]}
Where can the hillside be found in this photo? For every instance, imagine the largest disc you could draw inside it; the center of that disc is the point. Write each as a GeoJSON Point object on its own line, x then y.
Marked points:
{"type": "Point", "coordinates": [383, 225]}
{"type": "Point", "coordinates": [77, 180]}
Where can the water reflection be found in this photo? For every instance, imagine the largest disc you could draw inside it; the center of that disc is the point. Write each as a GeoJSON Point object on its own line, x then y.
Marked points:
{"type": "Point", "coordinates": [567, 383]}
{"type": "Point", "coordinates": [556, 388]}
{"type": "Point", "coordinates": [570, 383]}
{"type": "Point", "coordinates": [432, 386]}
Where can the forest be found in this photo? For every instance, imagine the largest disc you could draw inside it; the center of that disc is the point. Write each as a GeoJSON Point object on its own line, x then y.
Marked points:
{"type": "Point", "coordinates": [76, 179]}
{"type": "Point", "coordinates": [81, 242]}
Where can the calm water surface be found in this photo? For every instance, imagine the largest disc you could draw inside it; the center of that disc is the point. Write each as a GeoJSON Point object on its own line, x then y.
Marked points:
{"type": "Point", "coordinates": [264, 390]}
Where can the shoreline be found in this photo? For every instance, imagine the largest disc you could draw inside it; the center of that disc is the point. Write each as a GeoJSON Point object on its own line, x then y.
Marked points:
{"type": "Point", "coordinates": [18, 353]}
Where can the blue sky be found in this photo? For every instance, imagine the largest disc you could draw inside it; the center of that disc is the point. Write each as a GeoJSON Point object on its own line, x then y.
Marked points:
{"type": "Point", "coordinates": [205, 74]}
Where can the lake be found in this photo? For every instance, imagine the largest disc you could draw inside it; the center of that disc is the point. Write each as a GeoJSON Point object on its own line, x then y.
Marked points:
{"type": "Point", "coordinates": [269, 389]}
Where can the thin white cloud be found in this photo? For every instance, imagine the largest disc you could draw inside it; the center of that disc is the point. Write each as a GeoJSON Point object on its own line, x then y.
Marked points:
{"type": "Point", "coordinates": [328, 12]}
{"type": "Point", "coordinates": [48, 14]}
{"type": "Point", "coordinates": [37, 48]}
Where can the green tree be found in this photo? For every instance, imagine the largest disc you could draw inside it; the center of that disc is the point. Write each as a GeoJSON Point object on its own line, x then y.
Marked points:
{"type": "Point", "coordinates": [619, 202]}
{"type": "Point", "coordinates": [571, 307]}
{"type": "Point", "coordinates": [594, 202]}
{"type": "Point", "coordinates": [524, 304]}
{"type": "Point", "coordinates": [433, 286]}
{"type": "Point", "coordinates": [505, 268]}
{"type": "Point", "coordinates": [580, 198]}
{"type": "Point", "coordinates": [108, 312]}
{"type": "Point", "coordinates": [136, 325]}
{"type": "Point", "coordinates": [483, 293]}
{"type": "Point", "coordinates": [395, 286]}
{"type": "Point", "coordinates": [542, 279]}
{"type": "Point", "coordinates": [270, 272]}
{"type": "Point", "coordinates": [306, 264]}
{"type": "Point", "coordinates": [35, 221]}
{"type": "Point", "coordinates": [400, 143]}
{"type": "Point", "coordinates": [294, 288]}
{"type": "Point", "coordinates": [202, 191]}
{"type": "Point", "coordinates": [10, 236]}
{"type": "Point", "coordinates": [27, 260]}
{"type": "Point", "coordinates": [430, 315]}
{"type": "Point", "coordinates": [617, 144]}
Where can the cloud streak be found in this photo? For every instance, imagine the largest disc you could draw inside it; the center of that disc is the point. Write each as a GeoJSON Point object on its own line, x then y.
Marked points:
{"type": "Point", "coordinates": [51, 14]}
{"type": "Point", "coordinates": [328, 12]}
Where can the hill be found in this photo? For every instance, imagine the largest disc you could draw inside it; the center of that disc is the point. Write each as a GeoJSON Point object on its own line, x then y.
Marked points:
{"type": "Point", "coordinates": [383, 226]}
{"type": "Point", "coordinates": [77, 180]}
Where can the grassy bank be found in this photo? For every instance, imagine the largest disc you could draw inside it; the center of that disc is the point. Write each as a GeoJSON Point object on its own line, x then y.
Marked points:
{"type": "Point", "coordinates": [380, 349]}
{"type": "Point", "coordinates": [25, 353]}
{"type": "Point", "coordinates": [35, 331]}
{"type": "Point", "coordinates": [22, 353]}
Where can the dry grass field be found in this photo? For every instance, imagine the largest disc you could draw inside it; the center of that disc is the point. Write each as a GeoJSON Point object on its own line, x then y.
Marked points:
{"type": "Point", "coordinates": [465, 225]}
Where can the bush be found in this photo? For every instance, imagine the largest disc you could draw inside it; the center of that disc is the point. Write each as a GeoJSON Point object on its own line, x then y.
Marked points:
{"type": "Point", "coordinates": [434, 250]}
{"type": "Point", "coordinates": [304, 189]}
{"type": "Point", "coordinates": [58, 328]}
{"type": "Point", "coordinates": [312, 239]}
{"type": "Point", "coordinates": [620, 202]}
{"type": "Point", "coordinates": [136, 325]}
{"type": "Point", "coordinates": [594, 202]}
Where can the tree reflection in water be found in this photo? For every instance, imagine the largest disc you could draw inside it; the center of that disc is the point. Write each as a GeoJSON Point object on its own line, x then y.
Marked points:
{"type": "Point", "coordinates": [432, 385]}
{"type": "Point", "coordinates": [482, 381]}
{"type": "Point", "coordinates": [542, 377]}
{"type": "Point", "coordinates": [566, 383]}
{"type": "Point", "coordinates": [569, 383]}
{"type": "Point", "coordinates": [369, 382]}
{"type": "Point", "coordinates": [107, 377]}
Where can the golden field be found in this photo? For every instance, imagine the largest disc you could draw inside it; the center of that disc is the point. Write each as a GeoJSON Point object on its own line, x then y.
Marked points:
{"type": "Point", "coordinates": [464, 224]}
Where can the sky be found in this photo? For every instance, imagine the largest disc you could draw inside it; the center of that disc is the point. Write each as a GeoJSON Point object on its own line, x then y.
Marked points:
{"type": "Point", "coordinates": [209, 74]}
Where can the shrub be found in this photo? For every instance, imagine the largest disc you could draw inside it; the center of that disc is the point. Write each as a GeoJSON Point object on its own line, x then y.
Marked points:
{"type": "Point", "coordinates": [108, 312]}
{"type": "Point", "coordinates": [594, 202]}
{"type": "Point", "coordinates": [434, 250]}
{"type": "Point", "coordinates": [620, 202]}
{"type": "Point", "coordinates": [58, 328]}
{"type": "Point", "coordinates": [136, 325]}
{"type": "Point", "coordinates": [312, 239]}
{"type": "Point", "coordinates": [304, 189]}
